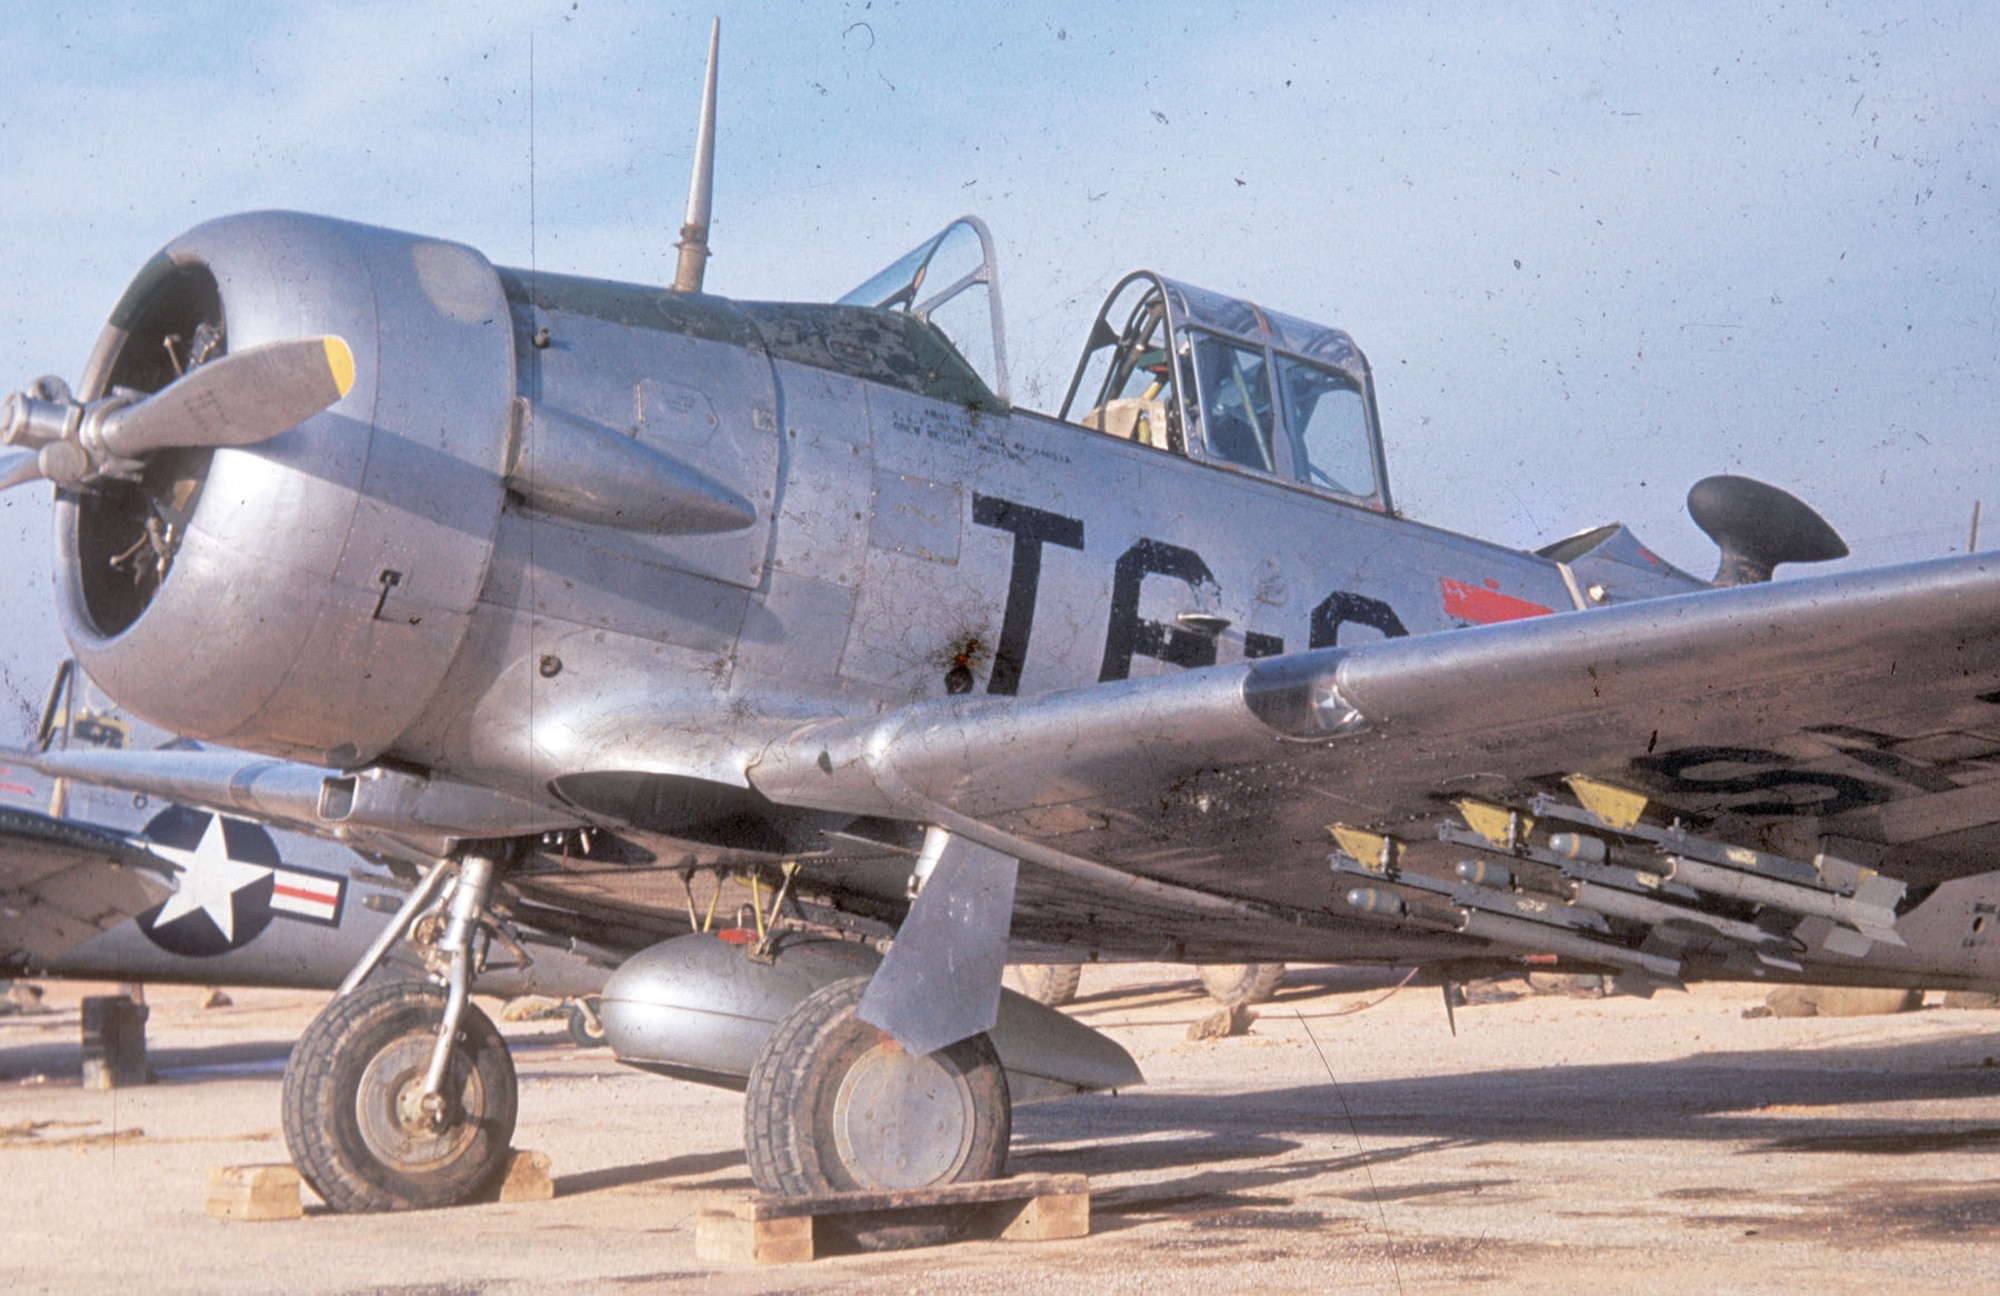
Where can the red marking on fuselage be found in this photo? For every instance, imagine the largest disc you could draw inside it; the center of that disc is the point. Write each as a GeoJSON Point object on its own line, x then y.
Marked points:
{"type": "Point", "coordinates": [1485, 606]}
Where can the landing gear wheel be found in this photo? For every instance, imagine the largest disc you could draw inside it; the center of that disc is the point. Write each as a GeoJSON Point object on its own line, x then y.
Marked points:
{"type": "Point", "coordinates": [585, 1026]}
{"type": "Point", "coordinates": [352, 1110]}
{"type": "Point", "coordinates": [1053, 984]}
{"type": "Point", "coordinates": [1235, 985]}
{"type": "Point", "coordinates": [834, 1104]}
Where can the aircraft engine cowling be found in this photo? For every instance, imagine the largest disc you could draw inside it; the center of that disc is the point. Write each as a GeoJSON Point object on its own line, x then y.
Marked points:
{"type": "Point", "coordinates": [302, 596]}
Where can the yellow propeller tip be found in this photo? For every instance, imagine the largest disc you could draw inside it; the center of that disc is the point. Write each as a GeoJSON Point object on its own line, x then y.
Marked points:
{"type": "Point", "coordinates": [339, 363]}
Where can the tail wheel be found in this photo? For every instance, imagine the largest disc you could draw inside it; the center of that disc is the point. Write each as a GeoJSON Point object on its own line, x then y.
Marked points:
{"type": "Point", "coordinates": [1053, 984]}
{"type": "Point", "coordinates": [1234, 985]}
{"type": "Point", "coordinates": [834, 1104]}
{"type": "Point", "coordinates": [352, 1103]}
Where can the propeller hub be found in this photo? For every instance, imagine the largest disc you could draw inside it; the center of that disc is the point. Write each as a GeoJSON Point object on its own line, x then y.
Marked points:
{"type": "Point", "coordinates": [31, 420]}
{"type": "Point", "coordinates": [63, 462]}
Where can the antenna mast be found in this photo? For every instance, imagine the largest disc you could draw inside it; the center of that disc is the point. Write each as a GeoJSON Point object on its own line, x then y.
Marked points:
{"type": "Point", "coordinates": [694, 232]}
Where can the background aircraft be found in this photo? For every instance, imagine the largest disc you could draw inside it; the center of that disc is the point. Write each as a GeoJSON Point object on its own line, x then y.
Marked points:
{"type": "Point", "coordinates": [193, 897]}
{"type": "Point", "coordinates": [583, 587]}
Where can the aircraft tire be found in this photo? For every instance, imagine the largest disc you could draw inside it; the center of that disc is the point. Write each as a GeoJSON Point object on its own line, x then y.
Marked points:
{"type": "Point", "coordinates": [834, 1105]}
{"type": "Point", "coordinates": [586, 1028]}
{"type": "Point", "coordinates": [1054, 984]}
{"type": "Point", "coordinates": [349, 1103]}
{"type": "Point", "coordinates": [1235, 985]}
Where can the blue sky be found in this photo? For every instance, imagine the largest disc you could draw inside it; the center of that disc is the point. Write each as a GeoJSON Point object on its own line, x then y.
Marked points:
{"type": "Point", "coordinates": [1594, 252]}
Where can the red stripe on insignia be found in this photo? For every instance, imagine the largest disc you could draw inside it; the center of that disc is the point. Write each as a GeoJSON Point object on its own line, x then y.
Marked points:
{"type": "Point", "coordinates": [300, 893]}
{"type": "Point", "coordinates": [1485, 606]}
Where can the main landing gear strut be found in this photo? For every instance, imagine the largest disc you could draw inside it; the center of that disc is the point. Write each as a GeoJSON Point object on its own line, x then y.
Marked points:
{"type": "Point", "coordinates": [400, 1095]}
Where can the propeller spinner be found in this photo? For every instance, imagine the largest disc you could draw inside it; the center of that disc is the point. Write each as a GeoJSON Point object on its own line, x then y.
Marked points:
{"type": "Point", "coordinates": [238, 399]}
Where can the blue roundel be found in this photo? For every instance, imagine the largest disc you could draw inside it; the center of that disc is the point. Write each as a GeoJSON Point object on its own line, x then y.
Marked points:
{"type": "Point", "coordinates": [195, 933]}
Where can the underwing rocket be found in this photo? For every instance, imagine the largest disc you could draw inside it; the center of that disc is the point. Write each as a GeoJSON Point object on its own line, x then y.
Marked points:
{"type": "Point", "coordinates": [776, 642]}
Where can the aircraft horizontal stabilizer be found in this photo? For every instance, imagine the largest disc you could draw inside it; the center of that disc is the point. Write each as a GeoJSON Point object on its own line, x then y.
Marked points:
{"type": "Point", "coordinates": [62, 883]}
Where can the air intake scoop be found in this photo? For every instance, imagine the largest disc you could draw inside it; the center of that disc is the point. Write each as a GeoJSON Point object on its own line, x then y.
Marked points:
{"type": "Point", "coordinates": [1757, 527]}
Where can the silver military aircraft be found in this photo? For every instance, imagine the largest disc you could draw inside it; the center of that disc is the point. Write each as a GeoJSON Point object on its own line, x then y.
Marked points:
{"type": "Point", "coordinates": [583, 590]}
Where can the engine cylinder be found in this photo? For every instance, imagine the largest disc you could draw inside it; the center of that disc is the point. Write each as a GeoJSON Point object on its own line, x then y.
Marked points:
{"type": "Point", "coordinates": [312, 590]}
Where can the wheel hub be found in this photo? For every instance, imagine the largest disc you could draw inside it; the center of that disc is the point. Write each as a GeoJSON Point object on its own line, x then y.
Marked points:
{"type": "Point", "coordinates": [395, 1122]}
{"type": "Point", "coordinates": [901, 1121]}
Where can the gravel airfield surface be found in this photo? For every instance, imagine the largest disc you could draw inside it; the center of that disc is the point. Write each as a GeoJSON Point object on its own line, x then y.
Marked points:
{"type": "Point", "coordinates": [1348, 1142]}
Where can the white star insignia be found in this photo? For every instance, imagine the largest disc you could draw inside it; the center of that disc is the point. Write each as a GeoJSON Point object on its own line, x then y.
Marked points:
{"type": "Point", "coordinates": [209, 880]}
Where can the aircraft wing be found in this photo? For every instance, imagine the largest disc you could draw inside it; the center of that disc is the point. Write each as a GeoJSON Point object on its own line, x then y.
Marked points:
{"type": "Point", "coordinates": [63, 882]}
{"type": "Point", "coordinates": [1856, 714]}
{"type": "Point", "coordinates": [1186, 815]}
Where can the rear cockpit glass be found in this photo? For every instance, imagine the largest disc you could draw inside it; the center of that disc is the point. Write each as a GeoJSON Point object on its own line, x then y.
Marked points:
{"type": "Point", "coordinates": [1125, 385]}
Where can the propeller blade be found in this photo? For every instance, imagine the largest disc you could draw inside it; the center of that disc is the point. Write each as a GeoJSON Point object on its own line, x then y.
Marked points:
{"type": "Point", "coordinates": [22, 466]}
{"type": "Point", "coordinates": [238, 399]}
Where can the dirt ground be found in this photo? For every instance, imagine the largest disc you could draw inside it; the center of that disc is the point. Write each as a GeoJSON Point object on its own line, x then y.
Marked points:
{"type": "Point", "coordinates": [1348, 1143]}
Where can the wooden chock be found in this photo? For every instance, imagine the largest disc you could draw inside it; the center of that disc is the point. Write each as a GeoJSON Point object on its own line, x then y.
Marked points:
{"type": "Point", "coordinates": [254, 1192]}
{"type": "Point", "coordinates": [752, 1228]}
{"type": "Point", "coordinates": [1050, 1216]}
{"type": "Point", "coordinates": [527, 1177]}
{"type": "Point", "coordinates": [114, 1042]}
{"type": "Point", "coordinates": [731, 1229]}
